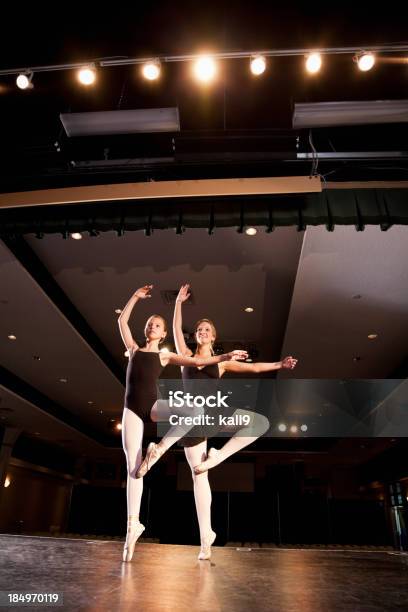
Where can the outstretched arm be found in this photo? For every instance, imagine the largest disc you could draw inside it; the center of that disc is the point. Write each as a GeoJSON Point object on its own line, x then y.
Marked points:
{"type": "Point", "coordinates": [255, 368]}
{"type": "Point", "coordinates": [184, 360]}
{"type": "Point", "coordinates": [181, 346]}
{"type": "Point", "coordinates": [140, 294]}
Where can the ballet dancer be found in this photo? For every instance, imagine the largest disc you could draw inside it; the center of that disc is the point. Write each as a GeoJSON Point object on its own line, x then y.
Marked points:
{"type": "Point", "coordinates": [196, 448]}
{"type": "Point", "coordinates": [141, 404]}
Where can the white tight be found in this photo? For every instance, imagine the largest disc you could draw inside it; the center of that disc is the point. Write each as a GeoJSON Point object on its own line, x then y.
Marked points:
{"type": "Point", "coordinates": [132, 437]}
{"type": "Point", "coordinates": [202, 491]}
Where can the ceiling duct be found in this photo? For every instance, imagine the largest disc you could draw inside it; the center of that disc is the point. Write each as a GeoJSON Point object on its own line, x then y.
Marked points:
{"type": "Point", "coordinates": [326, 114]}
{"type": "Point", "coordinates": [104, 123]}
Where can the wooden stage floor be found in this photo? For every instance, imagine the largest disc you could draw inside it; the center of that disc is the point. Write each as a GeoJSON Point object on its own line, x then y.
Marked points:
{"type": "Point", "coordinates": [168, 578]}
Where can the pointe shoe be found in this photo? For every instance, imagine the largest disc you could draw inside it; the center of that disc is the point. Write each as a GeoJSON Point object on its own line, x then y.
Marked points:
{"type": "Point", "coordinates": [153, 454]}
{"type": "Point", "coordinates": [135, 530]}
{"type": "Point", "coordinates": [206, 542]}
{"type": "Point", "coordinates": [210, 462]}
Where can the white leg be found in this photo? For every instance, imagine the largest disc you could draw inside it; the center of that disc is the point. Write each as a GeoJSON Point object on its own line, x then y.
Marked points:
{"type": "Point", "coordinates": [243, 437]}
{"type": "Point", "coordinates": [132, 435]}
{"type": "Point", "coordinates": [202, 491]}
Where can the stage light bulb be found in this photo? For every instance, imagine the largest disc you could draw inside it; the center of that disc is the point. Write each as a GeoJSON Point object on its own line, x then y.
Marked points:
{"type": "Point", "coordinates": [313, 63]}
{"type": "Point", "coordinates": [23, 81]}
{"type": "Point", "coordinates": [251, 231]}
{"type": "Point", "coordinates": [87, 76]}
{"type": "Point", "coordinates": [258, 65]}
{"type": "Point", "coordinates": [118, 426]}
{"type": "Point", "coordinates": [7, 482]}
{"type": "Point", "coordinates": [76, 236]}
{"type": "Point", "coordinates": [282, 427]}
{"type": "Point", "coordinates": [151, 71]}
{"type": "Point", "coordinates": [205, 69]}
{"type": "Point", "coordinates": [366, 61]}
{"type": "Point", "coordinates": [293, 428]}
{"type": "Point", "coordinates": [303, 427]}
{"type": "Point", "coordinates": [249, 309]}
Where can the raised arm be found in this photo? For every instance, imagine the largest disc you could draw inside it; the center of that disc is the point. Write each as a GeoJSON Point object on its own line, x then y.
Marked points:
{"type": "Point", "coordinates": [255, 368]}
{"type": "Point", "coordinates": [181, 346]}
{"type": "Point", "coordinates": [140, 294]}
{"type": "Point", "coordinates": [185, 360]}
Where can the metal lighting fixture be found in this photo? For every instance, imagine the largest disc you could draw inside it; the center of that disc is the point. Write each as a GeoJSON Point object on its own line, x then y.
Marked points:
{"type": "Point", "coordinates": [313, 62]}
{"type": "Point", "coordinates": [258, 64]}
{"type": "Point", "coordinates": [24, 80]}
{"type": "Point", "coordinates": [87, 75]}
{"type": "Point", "coordinates": [205, 68]}
{"type": "Point", "coordinates": [121, 122]}
{"type": "Point", "coordinates": [325, 114]}
{"type": "Point", "coordinates": [151, 70]}
{"type": "Point", "coordinates": [365, 61]}
{"type": "Point", "coordinates": [313, 58]}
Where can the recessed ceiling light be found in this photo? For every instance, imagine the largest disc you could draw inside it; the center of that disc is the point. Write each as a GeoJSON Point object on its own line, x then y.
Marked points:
{"type": "Point", "coordinates": [63, 380]}
{"type": "Point", "coordinates": [282, 427]}
{"type": "Point", "coordinates": [249, 309]}
{"type": "Point", "coordinates": [76, 236]}
{"type": "Point", "coordinates": [293, 428]}
{"type": "Point", "coordinates": [118, 311]}
{"type": "Point", "coordinates": [12, 337]}
{"type": "Point", "coordinates": [251, 231]}
{"type": "Point", "coordinates": [372, 336]}
{"type": "Point", "coordinates": [303, 427]}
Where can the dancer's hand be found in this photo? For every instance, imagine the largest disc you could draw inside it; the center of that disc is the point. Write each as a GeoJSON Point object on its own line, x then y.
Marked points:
{"type": "Point", "coordinates": [183, 294]}
{"type": "Point", "coordinates": [144, 292]}
{"type": "Point", "coordinates": [236, 355]}
{"type": "Point", "coordinates": [289, 363]}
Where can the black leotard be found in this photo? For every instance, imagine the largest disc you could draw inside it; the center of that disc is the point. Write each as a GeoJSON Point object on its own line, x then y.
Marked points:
{"type": "Point", "coordinates": [144, 368]}
{"type": "Point", "coordinates": [191, 375]}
